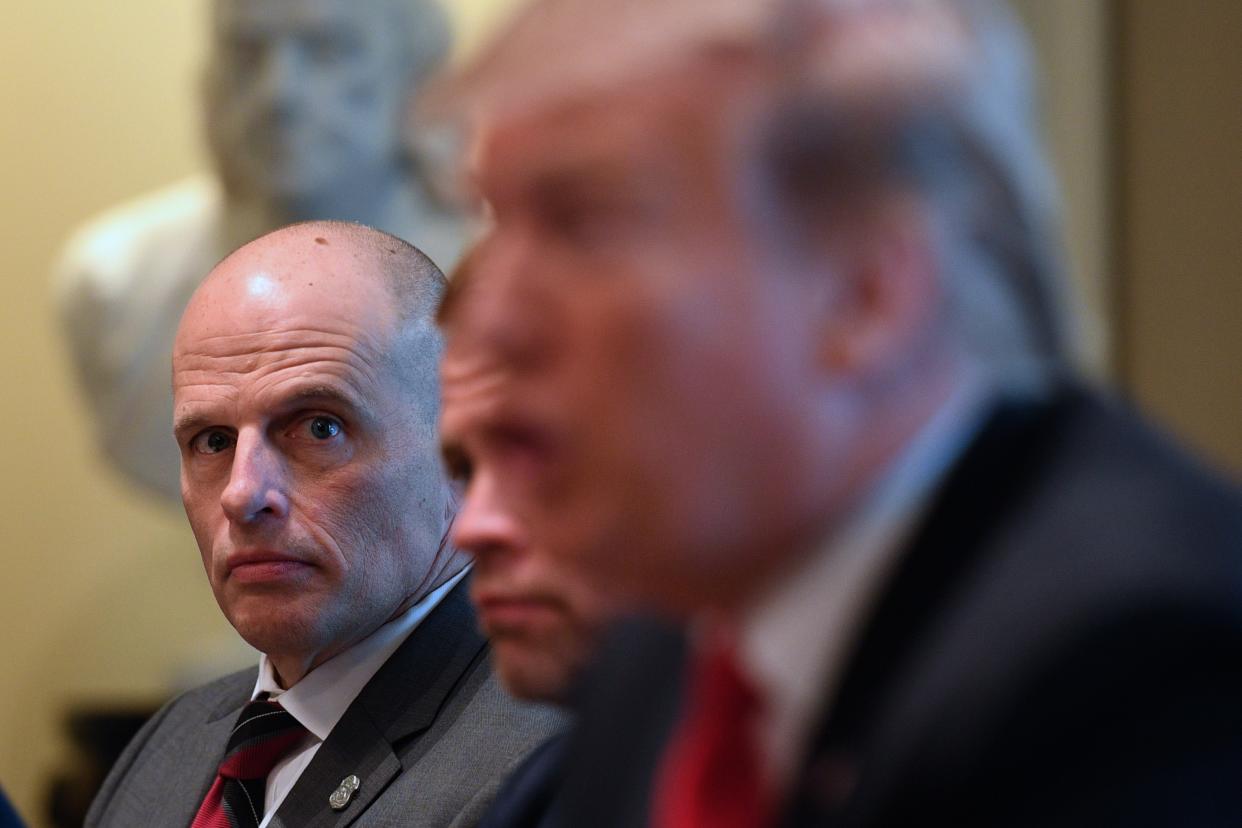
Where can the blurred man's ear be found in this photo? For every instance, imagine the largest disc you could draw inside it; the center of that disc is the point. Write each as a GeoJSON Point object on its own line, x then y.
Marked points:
{"type": "Point", "coordinates": [884, 304]}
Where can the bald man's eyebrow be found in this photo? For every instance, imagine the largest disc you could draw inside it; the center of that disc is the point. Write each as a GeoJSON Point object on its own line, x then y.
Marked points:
{"type": "Point", "coordinates": [325, 396]}
{"type": "Point", "coordinates": [313, 396]}
{"type": "Point", "coordinates": [190, 424]}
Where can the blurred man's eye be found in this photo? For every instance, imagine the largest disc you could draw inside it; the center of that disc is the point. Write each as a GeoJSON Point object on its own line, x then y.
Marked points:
{"type": "Point", "coordinates": [213, 441]}
{"type": "Point", "coordinates": [458, 466]}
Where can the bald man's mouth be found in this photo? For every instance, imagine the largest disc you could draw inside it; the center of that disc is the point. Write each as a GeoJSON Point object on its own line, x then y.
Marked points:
{"type": "Point", "coordinates": [264, 566]}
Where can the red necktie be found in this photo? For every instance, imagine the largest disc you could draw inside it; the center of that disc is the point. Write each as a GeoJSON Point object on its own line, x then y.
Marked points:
{"type": "Point", "coordinates": [264, 733]}
{"type": "Point", "coordinates": [711, 775]}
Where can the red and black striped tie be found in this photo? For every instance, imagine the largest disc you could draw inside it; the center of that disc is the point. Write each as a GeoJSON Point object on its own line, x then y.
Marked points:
{"type": "Point", "coordinates": [263, 735]}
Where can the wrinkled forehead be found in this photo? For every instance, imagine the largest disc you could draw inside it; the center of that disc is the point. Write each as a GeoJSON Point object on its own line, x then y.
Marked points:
{"type": "Point", "coordinates": [270, 18]}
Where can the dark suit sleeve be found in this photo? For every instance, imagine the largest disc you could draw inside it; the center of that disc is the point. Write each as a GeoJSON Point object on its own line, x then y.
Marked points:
{"type": "Point", "coordinates": [1138, 724]}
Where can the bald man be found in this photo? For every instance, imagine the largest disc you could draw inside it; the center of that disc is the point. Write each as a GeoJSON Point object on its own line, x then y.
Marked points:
{"type": "Point", "coordinates": [304, 383]}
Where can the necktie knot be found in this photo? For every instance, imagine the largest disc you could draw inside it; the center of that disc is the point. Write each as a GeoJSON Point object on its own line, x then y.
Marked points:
{"type": "Point", "coordinates": [264, 733]}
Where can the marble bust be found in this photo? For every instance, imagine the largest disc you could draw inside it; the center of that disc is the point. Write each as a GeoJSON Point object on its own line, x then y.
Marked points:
{"type": "Point", "coordinates": [306, 114]}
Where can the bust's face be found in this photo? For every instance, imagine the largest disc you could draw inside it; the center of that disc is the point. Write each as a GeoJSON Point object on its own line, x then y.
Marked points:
{"type": "Point", "coordinates": [304, 94]}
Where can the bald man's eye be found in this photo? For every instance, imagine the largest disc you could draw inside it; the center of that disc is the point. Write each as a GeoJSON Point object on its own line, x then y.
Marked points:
{"type": "Point", "coordinates": [323, 428]}
{"type": "Point", "coordinates": [212, 441]}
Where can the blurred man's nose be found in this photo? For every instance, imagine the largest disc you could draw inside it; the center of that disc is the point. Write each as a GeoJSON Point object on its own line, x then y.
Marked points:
{"type": "Point", "coordinates": [257, 487]}
{"type": "Point", "coordinates": [482, 526]}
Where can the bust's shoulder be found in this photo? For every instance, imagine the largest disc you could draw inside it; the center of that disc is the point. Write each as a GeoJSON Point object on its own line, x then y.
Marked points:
{"type": "Point", "coordinates": [148, 227]}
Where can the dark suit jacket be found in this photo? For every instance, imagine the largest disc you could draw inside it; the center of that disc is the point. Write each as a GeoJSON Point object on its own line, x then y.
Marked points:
{"type": "Point", "coordinates": [1061, 645]}
{"type": "Point", "coordinates": [431, 737]}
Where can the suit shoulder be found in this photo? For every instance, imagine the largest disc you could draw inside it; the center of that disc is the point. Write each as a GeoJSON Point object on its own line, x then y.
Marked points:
{"type": "Point", "coordinates": [165, 768]}
{"type": "Point", "coordinates": [193, 706]}
{"type": "Point", "coordinates": [1114, 504]}
{"type": "Point", "coordinates": [236, 686]}
{"type": "Point", "coordinates": [480, 737]}
{"type": "Point", "coordinates": [505, 728]}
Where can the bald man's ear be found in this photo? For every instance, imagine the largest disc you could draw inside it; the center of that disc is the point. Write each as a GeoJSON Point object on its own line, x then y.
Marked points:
{"type": "Point", "coordinates": [884, 302]}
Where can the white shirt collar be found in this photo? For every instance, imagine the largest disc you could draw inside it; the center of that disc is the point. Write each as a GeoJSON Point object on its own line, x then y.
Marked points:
{"type": "Point", "coordinates": [795, 640]}
{"type": "Point", "coordinates": [320, 699]}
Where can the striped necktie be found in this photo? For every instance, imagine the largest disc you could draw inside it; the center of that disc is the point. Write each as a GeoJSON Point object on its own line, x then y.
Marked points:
{"type": "Point", "coordinates": [263, 735]}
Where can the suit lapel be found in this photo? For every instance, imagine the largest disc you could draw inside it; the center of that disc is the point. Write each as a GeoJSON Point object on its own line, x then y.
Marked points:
{"type": "Point", "coordinates": [396, 706]}
{"type": "Point", "coordinates": [980, 492]}
{"type": "Point", "coordinates": [198, 754]}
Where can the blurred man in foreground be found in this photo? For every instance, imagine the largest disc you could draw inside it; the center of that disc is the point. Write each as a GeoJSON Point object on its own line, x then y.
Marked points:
{"type": "Point", "coordinates": [304, 380]}
{"type": "Point", "coordinates": [772, 286]}
{"type": "Point", "coordinates": [543, 624]}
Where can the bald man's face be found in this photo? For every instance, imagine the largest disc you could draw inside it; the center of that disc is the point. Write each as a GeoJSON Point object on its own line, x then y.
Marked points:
{"type": "Point", "coordinates": [312, 486]}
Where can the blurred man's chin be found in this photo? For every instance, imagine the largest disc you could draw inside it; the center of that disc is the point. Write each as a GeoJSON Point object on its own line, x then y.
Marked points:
{"type": "Point", "coordinates": [531, 674]}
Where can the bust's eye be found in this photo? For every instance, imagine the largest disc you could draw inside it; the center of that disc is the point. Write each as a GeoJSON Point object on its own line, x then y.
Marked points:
{"type": "Point", "coordinates": [323, 428]}
{"type": "Point", "coordinates": [212, 441]}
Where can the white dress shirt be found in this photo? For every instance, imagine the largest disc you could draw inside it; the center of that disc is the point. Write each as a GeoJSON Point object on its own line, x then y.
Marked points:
{"type": "Point", "coordinates": [793, 642]}
{"type": "Point", "coordinates": [321, 698]}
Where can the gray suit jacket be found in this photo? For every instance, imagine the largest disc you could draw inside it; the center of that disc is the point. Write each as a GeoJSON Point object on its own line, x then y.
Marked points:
{"type": "Point", "coordinates": [431, 737]}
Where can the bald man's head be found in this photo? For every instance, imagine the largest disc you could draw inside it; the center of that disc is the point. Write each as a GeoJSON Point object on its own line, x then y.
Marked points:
{"type": "Point", "coordinates": [305, 397]}
{"type": "Point", "coordinates": [383, 278]}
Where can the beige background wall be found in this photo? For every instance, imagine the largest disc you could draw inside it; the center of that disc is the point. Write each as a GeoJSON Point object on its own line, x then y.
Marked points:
{"type": "Point", "coordinates": [1072, 42]}
{"type": "Point", "coordinates": [102, 592]}
{"type": "Point", "coordinates": [1180, 245]}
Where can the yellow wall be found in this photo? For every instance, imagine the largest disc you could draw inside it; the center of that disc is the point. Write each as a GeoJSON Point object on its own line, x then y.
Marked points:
{"type": "Point", "coordinates": [1180, 308]}
{"type": "Point", "coordinates": [1071, 40]}
{"type": "Point", "coordinates": [102, 594]}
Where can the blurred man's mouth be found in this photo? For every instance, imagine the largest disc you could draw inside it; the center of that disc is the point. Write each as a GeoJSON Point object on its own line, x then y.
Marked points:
{"type": "Point", "coordinates": [512, 613]}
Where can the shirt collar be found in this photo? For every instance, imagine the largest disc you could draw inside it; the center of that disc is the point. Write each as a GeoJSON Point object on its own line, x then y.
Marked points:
{"type": "Point", "coordinates": [794, 640]}
{"type": "Point", "coordinates": [321, 698]}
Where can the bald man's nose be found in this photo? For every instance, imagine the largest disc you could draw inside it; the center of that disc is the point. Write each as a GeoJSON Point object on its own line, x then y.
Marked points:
{"type": "Point", "coordinates": [482, 526]}
{"type": "Point", "coordinates": [257, 487]}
